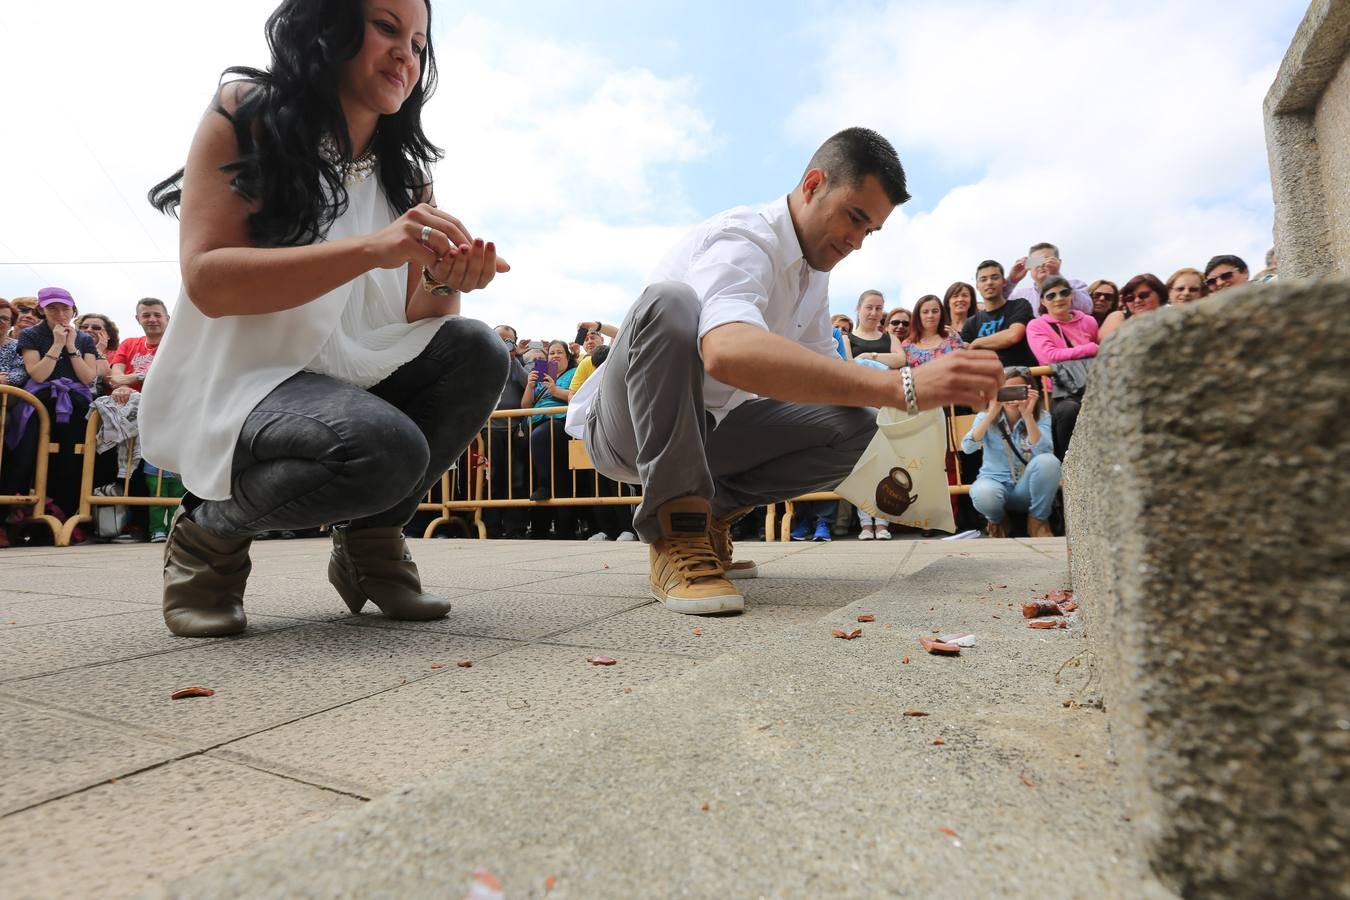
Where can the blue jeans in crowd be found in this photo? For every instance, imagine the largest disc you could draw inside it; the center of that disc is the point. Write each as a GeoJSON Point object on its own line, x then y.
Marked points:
{"type": "Point", "coordinates": [1034, 494]}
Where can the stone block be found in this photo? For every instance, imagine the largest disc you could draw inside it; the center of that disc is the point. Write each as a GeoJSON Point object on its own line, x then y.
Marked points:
{"type": "Point", "coordinates": [1204, 492]}
{"type": "Point", "coordinates": [1307, 116]}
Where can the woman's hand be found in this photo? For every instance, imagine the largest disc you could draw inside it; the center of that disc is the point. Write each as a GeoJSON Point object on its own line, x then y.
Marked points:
{"type": "Point", "coordinates": [469, 267]}
{"type": "Point", "coordinates": [1027, 407]}
{"type": "Point", "coordinates": [995, 405]}
{"type": "Point", "coordinates": [101, 343]}
{"type": "Point", "coordinates": [550, 385]}
{"type": "Point", "coordinates": [533, 378]}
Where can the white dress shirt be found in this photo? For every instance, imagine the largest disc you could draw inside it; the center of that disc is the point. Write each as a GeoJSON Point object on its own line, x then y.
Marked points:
{"type": "Point", "coordinates": [745, 265]}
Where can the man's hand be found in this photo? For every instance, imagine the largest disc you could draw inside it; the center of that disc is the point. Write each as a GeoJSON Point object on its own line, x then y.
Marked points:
{"type": "Point", "coordinates": [962, 377]}
{"type": "Point", "coordinates": [1018, 271]}
{"type": "Point", "coordinates": [122, 394]}
{"type": "Point", "coordinates": [522, 345]}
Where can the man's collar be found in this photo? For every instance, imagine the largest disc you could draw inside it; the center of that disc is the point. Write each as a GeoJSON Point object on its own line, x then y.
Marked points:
{"type": "Point", "coordinates": [779, 218]}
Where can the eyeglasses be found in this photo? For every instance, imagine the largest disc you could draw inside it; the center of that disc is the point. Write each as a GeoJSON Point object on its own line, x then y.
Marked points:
{"type": "Point", "coordinates": [1103, 295]}
{"type": "Point", "coordinates": [92, 327]}
{"type": "Point", "coordinates": [1139, 296]}
{"type": "Point", "coordinates": [899, 323]}
{"type": "Point", "coordinates": [1063, 294]}
{"type": "Point", "coordinates": [1222, 278]}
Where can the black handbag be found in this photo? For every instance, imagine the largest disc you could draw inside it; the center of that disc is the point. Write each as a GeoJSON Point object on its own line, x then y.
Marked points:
{"type": "Point", "coordinates": [1070, 377]}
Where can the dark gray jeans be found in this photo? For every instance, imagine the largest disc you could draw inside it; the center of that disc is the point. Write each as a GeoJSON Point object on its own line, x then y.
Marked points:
{"type": "Point", "coordinates": [647, 425]}
{"type": "Point", "coordinates": [317, 450]}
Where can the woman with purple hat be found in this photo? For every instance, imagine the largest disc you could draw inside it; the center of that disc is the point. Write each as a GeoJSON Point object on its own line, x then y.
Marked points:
{"type": "Point", "coordinates": [60, 361]}
{"type": "Point", "coordinates": [318, 370]}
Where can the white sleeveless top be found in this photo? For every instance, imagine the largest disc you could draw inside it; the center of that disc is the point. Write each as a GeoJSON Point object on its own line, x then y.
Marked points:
{"type": "Point", "coordinates": [209, 374]}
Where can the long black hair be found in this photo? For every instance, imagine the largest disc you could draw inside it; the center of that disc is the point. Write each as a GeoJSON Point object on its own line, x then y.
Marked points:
{"type": "Point", "coordinates": [291, 106]}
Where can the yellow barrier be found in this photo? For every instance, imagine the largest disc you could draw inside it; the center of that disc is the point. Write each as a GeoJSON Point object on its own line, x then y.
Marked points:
{"type": "Point", "coordinates": [37, 494]}
{"type": "Point", "coordinates": [476, 467]}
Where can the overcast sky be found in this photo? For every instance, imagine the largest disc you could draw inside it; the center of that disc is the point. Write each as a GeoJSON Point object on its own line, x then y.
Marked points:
{"type": "Point", "coordinates": [583, 137]}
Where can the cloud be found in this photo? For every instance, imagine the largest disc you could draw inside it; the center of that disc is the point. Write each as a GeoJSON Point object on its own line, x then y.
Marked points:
{"type": "Point", "coordinates": [1130, 135]}
{"type": "Point", "coordinates": [570, 163]}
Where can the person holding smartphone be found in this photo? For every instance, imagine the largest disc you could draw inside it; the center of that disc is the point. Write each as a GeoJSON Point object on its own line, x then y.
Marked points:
{"type": "Point", "coordinates": [549, 385]}
{"type": "Point", "coordinates": [318, 369]}
{"type": "Point", "coordinates": [1018, 472]}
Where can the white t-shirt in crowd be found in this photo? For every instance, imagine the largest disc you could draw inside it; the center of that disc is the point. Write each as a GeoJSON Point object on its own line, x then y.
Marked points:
{"type": "Point", "coordinates": [745, 265]}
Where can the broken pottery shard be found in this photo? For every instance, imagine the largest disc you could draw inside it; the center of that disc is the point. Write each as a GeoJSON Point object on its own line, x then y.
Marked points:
{"type": "Point", "coordinates": [933, 645]}
{"type": "Point", "coordinates": [1033, 608]}
{"type": "Point", "coordinates": [601, 660]}
{"type": "Point", "coordinates": [192, 692]}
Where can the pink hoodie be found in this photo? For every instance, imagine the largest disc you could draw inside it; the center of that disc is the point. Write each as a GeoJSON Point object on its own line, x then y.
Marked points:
{"type": "Point", "coordinates": [1050, 348]}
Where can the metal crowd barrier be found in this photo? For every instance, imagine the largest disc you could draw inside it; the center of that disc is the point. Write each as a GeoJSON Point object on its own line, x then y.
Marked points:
{"type": "Point", "coordinates": [36, 496]}
{"type": "Point", "coordinates": [467, 487]}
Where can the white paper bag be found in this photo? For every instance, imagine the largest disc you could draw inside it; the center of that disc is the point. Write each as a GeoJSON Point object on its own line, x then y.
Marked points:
{"type": "Point", "coordinates": [902, 475]}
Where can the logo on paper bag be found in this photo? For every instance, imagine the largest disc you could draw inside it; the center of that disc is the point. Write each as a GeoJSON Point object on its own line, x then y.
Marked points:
{"type": "Point", "coordinates": [893, 492]}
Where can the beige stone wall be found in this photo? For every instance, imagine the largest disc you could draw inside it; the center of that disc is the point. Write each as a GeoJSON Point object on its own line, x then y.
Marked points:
{"type": "Point", "coordinates": [1307, 114]}
{"type": "Point", "coordinates": [1331, 124]}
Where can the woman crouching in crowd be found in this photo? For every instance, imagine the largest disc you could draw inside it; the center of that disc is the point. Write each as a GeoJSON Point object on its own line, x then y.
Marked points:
{"type": "Point", "coordinates": [318, 369]}
{"type": "Point", "coordinates": [1019, 472]}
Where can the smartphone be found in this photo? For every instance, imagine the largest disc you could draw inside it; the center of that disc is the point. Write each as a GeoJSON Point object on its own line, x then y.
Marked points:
{"type": "Point", "coordinates": [581, 336]}
{"type": "Point", "coordinates": [553, 369]}
{"type": "Point", "coordinates": [1012, 392]}
{"type": "Point", "coordinates": [1034, 262]}
{"type": "Point", "coordinates": [536, 345]}
{"type": "Point", "coordinates": [541, 367]}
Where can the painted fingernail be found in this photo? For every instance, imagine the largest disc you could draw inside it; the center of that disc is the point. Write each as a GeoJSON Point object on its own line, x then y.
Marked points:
{"type": "Point", "coordinates": [491, 246]}
{"type": "Point", "coordinates": [478, 242]}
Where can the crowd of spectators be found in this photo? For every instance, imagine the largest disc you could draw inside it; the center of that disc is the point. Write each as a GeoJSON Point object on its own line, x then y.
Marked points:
{"type": "Point", "coordinates": [1031, 314]}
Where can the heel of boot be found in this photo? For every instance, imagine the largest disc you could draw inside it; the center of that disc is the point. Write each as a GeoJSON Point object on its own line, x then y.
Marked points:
{"type": "Point", "coordinates": [341, 578]}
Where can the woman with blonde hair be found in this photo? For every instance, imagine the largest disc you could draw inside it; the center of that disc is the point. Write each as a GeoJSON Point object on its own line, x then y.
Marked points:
{"type": "Point", "coordinates": [1186, 286]}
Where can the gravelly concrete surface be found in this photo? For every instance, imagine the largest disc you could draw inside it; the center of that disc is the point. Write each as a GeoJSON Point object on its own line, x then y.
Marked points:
{"type": "Point", "coordinates": [533, 762]}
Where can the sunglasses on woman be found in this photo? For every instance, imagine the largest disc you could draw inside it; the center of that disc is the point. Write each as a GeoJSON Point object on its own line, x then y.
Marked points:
{"type": "Point", "coordinates": [1103, 295]}
{"type": "Point", "coordinates": [899, 323]}
{"type": "Point", "coordinates": [1064, 294]}
{"type": "Point", "coordinates": [1222, 278]}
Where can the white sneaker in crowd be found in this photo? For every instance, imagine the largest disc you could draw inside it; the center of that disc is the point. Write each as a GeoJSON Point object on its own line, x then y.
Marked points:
{"type": "Point", "coordinates": [625, 536]}
{"type": "Point", "coordinates": [598, 536]}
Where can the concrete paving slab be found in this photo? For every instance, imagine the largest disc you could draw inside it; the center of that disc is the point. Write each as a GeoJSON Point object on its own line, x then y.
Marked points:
{"type": "Point", "coordinates": [592, 584]}
{"type": "Point", "coordinates": [25, 610]}
{"type": "Point", "coordinates": [453, 573]}
{"type": "Point", "coordinates": [512, 614]}
{"type": "Point", "coordinates": [653, 628]}
{"type": "Point", "coordinates": [803, 591]}
{"type": "Point", "coordinates": [261, 681]}
{"type": "Point", "coordinates": [92, 581]}
{"type": "Point", "coordinates": [122, 839]}
{"type": "Point", "coordinates": [49, 754]}
{"type": "Point", "coordinates": [374, 745]}
{"type": "Point", "coordinates": [62, 646]}
{"type": "Point", "coordinates": [793, 768]}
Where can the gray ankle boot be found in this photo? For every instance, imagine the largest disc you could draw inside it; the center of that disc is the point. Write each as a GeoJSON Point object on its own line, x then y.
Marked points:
{"type": "Point", "coordinates": [374, 564]}
{"type": "Point", "coordinates": [204, 578]}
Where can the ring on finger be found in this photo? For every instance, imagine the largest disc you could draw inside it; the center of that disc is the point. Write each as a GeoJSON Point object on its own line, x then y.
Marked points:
{"type": "Point", "coordinates": [426, 235]}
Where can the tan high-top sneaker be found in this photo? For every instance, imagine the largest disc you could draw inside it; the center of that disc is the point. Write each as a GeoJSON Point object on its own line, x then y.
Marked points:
{"type": "Point", "coordinates": [686, 574]}
{"type": "Point", "coordinates": [720, 533]}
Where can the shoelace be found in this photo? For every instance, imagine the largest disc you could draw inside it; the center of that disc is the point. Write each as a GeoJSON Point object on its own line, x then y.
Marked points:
{"type": "Point", "coordinates": [694, 558]}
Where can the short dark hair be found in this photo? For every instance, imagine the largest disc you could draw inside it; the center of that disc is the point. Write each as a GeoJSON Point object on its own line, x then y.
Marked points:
{"type": "Point", "coordinates": [989, 264]}
{"type": "Point", "coordinates": [1225, 259]}
{"type": "Point", "coordinates": [855, 153]}
{"type": "Point", "coordinates": [1043, 246]}
{"type": "Point", "coordinates": [150, 301]}
{"type": "Point", "coordinates": [1053, 281]}
{"type": "Point", "coordinates": [1149, 280]}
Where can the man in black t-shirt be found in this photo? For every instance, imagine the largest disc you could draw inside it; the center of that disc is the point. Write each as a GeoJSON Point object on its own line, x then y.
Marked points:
{"type": "Point", "coordinates": [1001, 325]}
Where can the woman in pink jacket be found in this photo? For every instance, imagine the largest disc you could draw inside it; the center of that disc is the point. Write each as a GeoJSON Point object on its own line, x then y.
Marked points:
{"type": "Point", "coordinates": [1061, 334]}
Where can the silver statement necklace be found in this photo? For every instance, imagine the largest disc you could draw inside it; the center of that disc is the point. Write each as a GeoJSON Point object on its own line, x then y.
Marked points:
{"type": "Point", "coordinates": [353, 172]}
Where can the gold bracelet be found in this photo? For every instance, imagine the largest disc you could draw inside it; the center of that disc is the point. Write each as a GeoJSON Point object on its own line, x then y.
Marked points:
{"type": "Point", "coordinates": [434, 287]}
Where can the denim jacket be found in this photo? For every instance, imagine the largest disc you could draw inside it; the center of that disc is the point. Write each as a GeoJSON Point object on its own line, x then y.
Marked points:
{"type": "Point", "coordinates": [999, 462]}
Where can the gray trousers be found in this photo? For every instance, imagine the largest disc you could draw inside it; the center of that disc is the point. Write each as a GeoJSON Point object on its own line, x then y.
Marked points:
{"type": "Point", "coordinates": [319, 451]}
{"type": "Point", "coordinates": [648, 425]}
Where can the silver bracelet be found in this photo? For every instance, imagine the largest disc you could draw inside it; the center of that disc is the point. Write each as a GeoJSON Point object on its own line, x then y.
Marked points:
{"type": "Point", "coordinates": [911, 398]}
